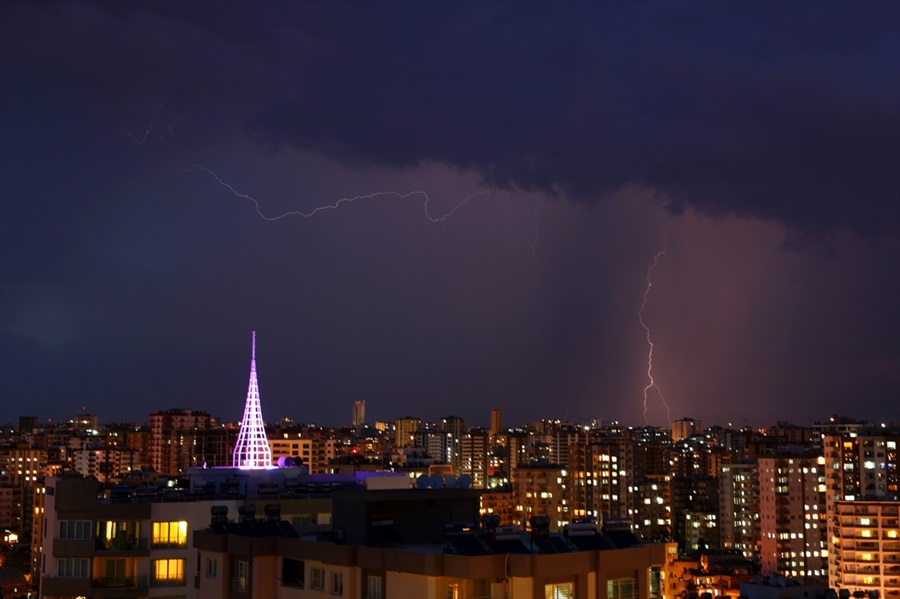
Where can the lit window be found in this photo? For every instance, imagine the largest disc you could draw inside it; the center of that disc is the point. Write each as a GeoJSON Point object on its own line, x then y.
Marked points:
{"type": "Point", "coordinates": [240, 581]}
{"type": "Point", "coordinates": [560, 590]}
{"type": "Point", "coordinates": [170, 534]}
{"type": "Point", "coordinates": [621, 588]}
{"type": "Point", "coordinates": [168, 572]}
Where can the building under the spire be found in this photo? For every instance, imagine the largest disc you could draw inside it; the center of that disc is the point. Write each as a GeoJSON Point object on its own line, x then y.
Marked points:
{"type": "Point", "coordinates": [252, 447]}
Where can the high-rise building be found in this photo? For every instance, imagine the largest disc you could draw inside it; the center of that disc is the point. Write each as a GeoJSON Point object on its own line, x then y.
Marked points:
{"type": "Point", "coordinates": [474, 447]}
{"type": "Point", "coordinates": [434, 442]}
{"type": "Point", "coordinates": [739, 508]}
{"type": "Point", "coordinates": [173, 445]}
{"type": "Point", "coordinates": [862, 473]}
{"type": "Point", "coordinates": [496, 421]}
{"type": "Point", "coordinates": [792, 526]}
{"type": "Point", "coordinates": [541, 490]}
{"type": "Point", "coordinates": [685, 428]}
{"type": "Point", "coordinates": [404, 428]}
{"type": "Point", "coordinates": [607, 494]}
{"type": "Point", "coordinates": [865, 550]}
{"type": "Point", "coordinates": [695, 509]}
{"type": "Point", "coordinates": [359, 414]}
{"type": "Point", "coordinates": [252, 447]}
{"type": "Point", "coordinates": [455, 427]}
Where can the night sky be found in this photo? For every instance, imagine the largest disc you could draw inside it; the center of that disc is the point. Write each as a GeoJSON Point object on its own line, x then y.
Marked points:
{"type": "Point", "coordinates": [754, 149]}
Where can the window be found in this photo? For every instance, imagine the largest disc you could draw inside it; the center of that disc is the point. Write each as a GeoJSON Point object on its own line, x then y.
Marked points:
{"type": "Point", "coordinates": [318, 578]}
{"type": "Point", "coordinates": [118, 535]}
{"type": "Point", "coordinates": [373, 587]}
{"type": "Point", "coordinates": [621, 588]}
{"type": "Point", "coordinates": [292, 573]}
{"type": "Point", "coordinates": [241, 579]}
{"type": "Point", "coordinates": [169, 534]}
{"type": "Point", "coordinates": [72, 567]}
{"type": "Point", "coordinates": [211, 567]}
{"type": "Point", "coordinates": [75, 529]}
{"type": "Point", "coordinates": [559, 590]}
{"type": "Point", "coordinates": [655, 581]}
{"type": "Point", "coordinates": [337, 583]}
{"type": "Point", "coordinates": [168, 572]}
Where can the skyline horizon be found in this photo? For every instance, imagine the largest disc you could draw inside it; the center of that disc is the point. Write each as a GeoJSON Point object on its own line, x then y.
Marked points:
{"type": "Point", "coordinates": [477, 424]}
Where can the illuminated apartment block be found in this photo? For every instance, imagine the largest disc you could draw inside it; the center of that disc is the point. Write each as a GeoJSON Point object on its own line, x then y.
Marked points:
{"type": "Point", "coordinates": [686, 428]}
{"type": "Point", "coordinates": [865, 547]}
{"type": "Point", "coordinates": [97, 548]}
{"type": "Point", "coordinates": [862, 475]}
{"type": "Point", "coordinates": [607, 485]}
{"type": "Point", "coordinates": [792, 516]}
{"type": "Point", "coordinates": [99, 542]}
{"type": "Point", "coordinates": [474, 447]}
{"type": "Point", "coordinates": [174, 444]}
{"type": "Point", "coordinates": [541, 490]}
{"type": "Point", "coordinates": [652, 512]}
{"type": "Point", "coordinates": [315, 452]}
{"type": "Point", "coordinates": [739, 508]}
{"type": "Point", "coordinates": [104, 462]}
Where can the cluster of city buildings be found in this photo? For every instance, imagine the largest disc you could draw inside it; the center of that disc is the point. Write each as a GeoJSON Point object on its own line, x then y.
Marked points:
{"type": "Point", "coordinates": [188, 506]}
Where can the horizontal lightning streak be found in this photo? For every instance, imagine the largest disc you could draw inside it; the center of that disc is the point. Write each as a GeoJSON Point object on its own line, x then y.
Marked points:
{"type": "Point", "coordinates": [335, 205]}
{"type": "Point", "coordinates": [152, 127]}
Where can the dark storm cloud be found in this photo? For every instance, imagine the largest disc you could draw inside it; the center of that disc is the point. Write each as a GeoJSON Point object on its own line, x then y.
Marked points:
{"type": "Point", "coordinates": [784, 111]}
{"type": "Point", "coordinates": [781, 111]}
{"type": "Point", "coordinates": [136, 283]}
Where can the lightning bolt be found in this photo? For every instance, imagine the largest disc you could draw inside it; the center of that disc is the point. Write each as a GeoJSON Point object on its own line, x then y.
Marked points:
{"type": "Point", "coordinates": [338, 203]}
{"type": "Point", "coordinates": [652, 383]}
{"type": "Point", "coordinates": [153, 128]}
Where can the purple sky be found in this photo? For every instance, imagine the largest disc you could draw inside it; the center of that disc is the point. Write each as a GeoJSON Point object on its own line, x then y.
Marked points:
{"type": "Point", "coordinates": [761, 141]}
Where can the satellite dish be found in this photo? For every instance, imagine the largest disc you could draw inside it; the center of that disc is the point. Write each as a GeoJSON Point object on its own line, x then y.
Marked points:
{"type": "Point", "coordinates": [464, 482]}
{"type": "Point", "coordinates": [423, 481]}
{"type": "Point", "coordinates": [437, 481]}
{"type": "Point", "coordinates": [450, 481]}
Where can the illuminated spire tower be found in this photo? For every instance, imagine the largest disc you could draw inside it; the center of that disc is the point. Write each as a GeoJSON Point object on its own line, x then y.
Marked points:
{"type": "Point", "coordinates": [252, 447]}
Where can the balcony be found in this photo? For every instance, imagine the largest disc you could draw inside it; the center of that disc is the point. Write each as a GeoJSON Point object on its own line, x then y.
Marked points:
{"type": "Point", "coordinates": [121, 545]}
{"type": "Point", "coordinates": [120, 582]}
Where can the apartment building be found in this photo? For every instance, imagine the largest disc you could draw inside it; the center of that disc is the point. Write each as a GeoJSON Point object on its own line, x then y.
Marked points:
{"type": "Point", "coordinates": [865, 547]}
{"type": "Point", "coordinates": [105, 542]}
{"type": "Point", "coordinates": [422, 543]}
{"type": "Point", "coordinates": [862, 474]}
{"type": "Point", "coordinates": [315, 452]}
{"type": "Point", "coordinates": [739, 508]}
{"type": "Point", "coordinates": [174, 443]}
{"type": "Point", "coordinates": [542, 490]}
{"type": "Point", "coordinates": [792, 516]}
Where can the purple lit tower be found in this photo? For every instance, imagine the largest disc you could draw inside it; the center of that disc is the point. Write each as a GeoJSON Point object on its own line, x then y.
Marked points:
{"type": "Point", "coordinates": [252, 447]}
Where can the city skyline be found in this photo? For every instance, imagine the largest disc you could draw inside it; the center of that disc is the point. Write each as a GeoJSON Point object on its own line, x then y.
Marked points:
{"type": "Point", "coordinates": [451, 208]}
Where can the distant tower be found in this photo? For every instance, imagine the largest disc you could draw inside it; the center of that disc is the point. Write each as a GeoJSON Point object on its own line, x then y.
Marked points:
{"type": "Point", "coordinates": [359, 414]}
{"type": "Point", "coordinates": [252, 447]}
{"type": "Point", "coordinates": [496, 416]}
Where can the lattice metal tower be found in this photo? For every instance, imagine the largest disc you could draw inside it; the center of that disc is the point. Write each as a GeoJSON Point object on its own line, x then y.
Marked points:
{"type": "Point", "coordinates": [252, 447]}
